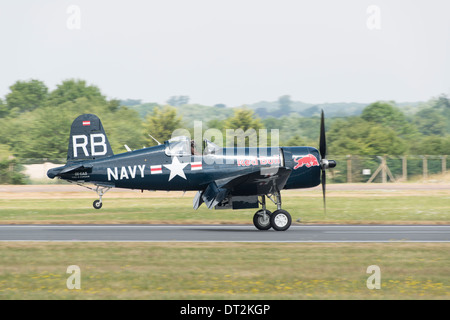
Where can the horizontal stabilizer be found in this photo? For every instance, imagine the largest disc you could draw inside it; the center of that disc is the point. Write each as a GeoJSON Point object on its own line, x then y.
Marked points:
{"type": "Point", "coordinates": [66, 169]}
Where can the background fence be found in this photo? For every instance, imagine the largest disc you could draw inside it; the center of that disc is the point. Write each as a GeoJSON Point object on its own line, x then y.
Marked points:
{"type": "Point", "coordinates": [387, 168]}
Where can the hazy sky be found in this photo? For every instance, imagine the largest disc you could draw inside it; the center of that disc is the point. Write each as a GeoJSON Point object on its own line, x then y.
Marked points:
{"type": "Point", "coordinates": [231, 51]}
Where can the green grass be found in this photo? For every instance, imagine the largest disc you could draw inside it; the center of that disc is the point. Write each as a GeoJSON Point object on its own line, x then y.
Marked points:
{"type": "Point", "coordinates": [36, 270]}
{"type": "Point", "coordinates": [224, 271]}
{"type": "Point", "coordinates": [342, 207]}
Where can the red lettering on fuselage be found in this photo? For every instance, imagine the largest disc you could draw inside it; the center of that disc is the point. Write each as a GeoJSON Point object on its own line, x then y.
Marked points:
{"type": "Point", "coordinates": [258, 161]}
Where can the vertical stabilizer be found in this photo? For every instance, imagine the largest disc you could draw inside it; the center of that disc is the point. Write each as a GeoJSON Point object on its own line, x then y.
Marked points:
{"type": "Point", "coordinates": [88, 140]}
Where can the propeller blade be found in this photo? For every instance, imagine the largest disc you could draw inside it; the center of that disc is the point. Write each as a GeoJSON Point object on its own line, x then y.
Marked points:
{"type": "Point", "coordinates": [324, 189]}
{"type": "Point", "coordinates": [322, 141]}
{"type": "Point", "coordinates": [323, 153]}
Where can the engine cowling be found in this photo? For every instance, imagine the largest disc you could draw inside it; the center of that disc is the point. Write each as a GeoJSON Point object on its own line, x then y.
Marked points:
{"type": "Point", "coordinates": [305, 163]}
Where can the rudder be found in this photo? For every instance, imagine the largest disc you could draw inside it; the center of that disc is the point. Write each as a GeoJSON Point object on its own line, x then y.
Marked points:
{"type": "Point", "coordinates": [88, 140]}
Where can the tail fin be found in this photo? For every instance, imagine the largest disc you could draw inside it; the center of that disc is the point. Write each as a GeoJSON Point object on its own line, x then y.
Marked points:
{"type": "Point", "coordinates": [88, 140]}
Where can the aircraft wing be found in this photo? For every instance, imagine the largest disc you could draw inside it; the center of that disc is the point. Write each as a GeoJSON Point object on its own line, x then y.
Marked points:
{"type": "Point", "coordinates": [257, 183]}
{"type": "Point", "coordinates": [263, 182]}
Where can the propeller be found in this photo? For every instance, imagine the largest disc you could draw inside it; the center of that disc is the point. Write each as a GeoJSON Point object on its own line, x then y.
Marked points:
{"type": "Point", "coordinates": [324, 163]}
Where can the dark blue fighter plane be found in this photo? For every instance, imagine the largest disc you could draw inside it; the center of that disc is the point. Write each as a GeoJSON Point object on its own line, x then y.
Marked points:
{"type": "Point", "coordinates": [224, 178]}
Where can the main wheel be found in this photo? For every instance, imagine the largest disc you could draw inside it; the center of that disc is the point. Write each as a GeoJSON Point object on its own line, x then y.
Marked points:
{"type": "Point", "coordinates": [97, 204]}
{"type": "Point", "coordinates": [280, 220]}
{"type": "Point", "coordinates": [261, 222]}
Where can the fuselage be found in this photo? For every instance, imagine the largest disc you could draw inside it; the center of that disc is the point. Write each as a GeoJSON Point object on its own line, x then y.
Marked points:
{"type": "Point", "coordinates": [154, 168]}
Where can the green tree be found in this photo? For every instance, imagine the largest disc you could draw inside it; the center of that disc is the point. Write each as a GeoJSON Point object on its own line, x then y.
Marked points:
{"type": "Point", "coordinates": [124, 126]}
{"type": "Point", "coordinates": [359, 137]}
{"type": "Point", "coordinates": [9, 169]}
{"type": "Point", "coordinates": [432, 145]}
{"type": "Point", "coordinates": [443, 101]}
{"type": "Point", "coordinates": [434, 117]}
{"type": "Point", "coordinates": [307, 129]}
{"type": "Point", "coordinates": [4, 112]}
{"type": "Point", "coordinates": [273, 123]}
{"type": "Point", "coordinates": [161, 124]}
{"type": "Point", "coordinates": [245, 127]}
{"type": "Point", "coordinates": [295, 141]}
{"type": "Point", "coordinates": [215, 123]}
{"type": "Point", "coordinates": [430, 121]}
{"type": "Point", "coordinates": [113, 105]}
{"type": "Point", "coordinates": [26, 96]}
{"type": "Point", "coordinates": [243, 119]}
{"type": "Point", "coordinates": [42, 133]}
{"type": "Point", "coordinates": [70, 90]}
{"type": "Point", "coordinates": [388, 115]}
{"type": "Point", "coordinates": [177, 101]}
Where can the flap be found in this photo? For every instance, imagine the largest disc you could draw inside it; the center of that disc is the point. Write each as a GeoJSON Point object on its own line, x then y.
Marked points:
{"type": "Point", "coordinates": [261, 182]}
{"type": "Point", "coordinates": [213, 195]}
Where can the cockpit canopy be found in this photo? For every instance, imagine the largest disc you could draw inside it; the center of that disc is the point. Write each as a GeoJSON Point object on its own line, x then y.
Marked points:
{"type": "Point", "coordinates": [210, 147]}
{"type": "Point", "coordinates": [183, 146]}
{"type": "Point", "coordinates": [178, 146]}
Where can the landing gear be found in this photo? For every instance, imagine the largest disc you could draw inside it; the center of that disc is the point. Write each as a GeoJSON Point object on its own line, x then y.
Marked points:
{"type": "Point", "coordinates": [97, 204]}
{"type": "Point", "coordinates": [279, 220]}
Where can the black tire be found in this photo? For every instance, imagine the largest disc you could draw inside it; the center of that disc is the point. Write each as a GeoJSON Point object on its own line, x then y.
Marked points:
{"type": "Point", "coordinates": [97, 204]}
{"type": "Point", "coordinates": [280, 220]}
{"type": "Point", "coordinates": [259, 222]}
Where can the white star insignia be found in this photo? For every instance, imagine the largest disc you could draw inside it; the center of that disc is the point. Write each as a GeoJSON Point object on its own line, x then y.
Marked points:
{"type": "Point", "coordinates": [176, 168]}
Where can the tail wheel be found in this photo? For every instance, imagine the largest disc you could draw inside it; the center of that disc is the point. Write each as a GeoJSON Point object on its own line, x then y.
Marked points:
{"type": "Point", "coordinates": [261, 220]}
{"type": "Point", "coordinates": [97, 204]}
{"type": "Point", "coordinates": [280, 220]}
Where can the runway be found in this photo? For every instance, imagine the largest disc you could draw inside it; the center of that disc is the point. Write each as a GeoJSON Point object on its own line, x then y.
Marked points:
{"type": "Point", "coordinates": [225, 233]}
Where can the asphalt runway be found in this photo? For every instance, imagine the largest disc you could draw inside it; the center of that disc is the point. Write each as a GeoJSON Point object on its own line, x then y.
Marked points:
{"type": "Point", "coordinates": [225, 233]}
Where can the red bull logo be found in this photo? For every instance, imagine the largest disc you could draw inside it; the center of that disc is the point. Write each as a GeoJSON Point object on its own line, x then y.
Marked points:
{"type": "Point", "coordinates": [308, 161]}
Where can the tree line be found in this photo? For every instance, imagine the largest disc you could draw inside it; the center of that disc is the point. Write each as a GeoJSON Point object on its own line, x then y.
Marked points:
{"type": "Point", "coordinates": [35, 123]}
